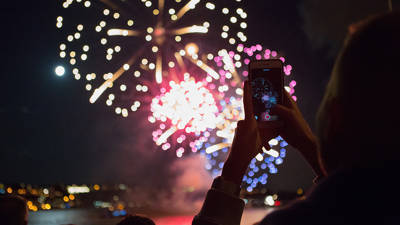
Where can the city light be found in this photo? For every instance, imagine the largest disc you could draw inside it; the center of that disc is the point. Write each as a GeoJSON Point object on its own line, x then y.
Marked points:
{"type": "Point", "coordinates": [77, 189]}
{"type": "Point", "coordinates": [269, 200]}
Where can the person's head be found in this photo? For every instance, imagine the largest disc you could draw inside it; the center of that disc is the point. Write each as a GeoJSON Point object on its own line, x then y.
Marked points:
{"type": "Point", "coordinates": [13, 210]}
{"type": "Point", "coordinates": [136, 220]}
{"type": "Point", "coordinates": [358, 118]}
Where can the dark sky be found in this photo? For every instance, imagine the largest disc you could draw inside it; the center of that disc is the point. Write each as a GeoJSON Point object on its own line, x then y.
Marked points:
{"type": "Point", "coordinates": [50, 133]}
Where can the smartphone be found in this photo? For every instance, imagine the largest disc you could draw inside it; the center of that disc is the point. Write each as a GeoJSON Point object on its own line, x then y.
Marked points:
{"type": "Point", "coordinates": [266, 81]}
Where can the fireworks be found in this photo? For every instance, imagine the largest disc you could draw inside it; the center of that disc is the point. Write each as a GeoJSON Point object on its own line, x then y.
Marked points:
{"type": "Point", "coordinates": [118, 45]}
{"type": "Point", "coordinates": [187, 107]}
{"type": "Point", "coordinates": [232, 69]}
{"type": "Point", "coordinates": [219, 78]}
{"type": "Point", "coordinates": [187, 111]}
{"type": "Point", "coordinates": [190, 66]}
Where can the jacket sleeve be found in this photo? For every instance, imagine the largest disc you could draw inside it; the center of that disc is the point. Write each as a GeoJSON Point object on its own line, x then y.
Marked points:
{"type": "Point", "coordinates": [220, 209]}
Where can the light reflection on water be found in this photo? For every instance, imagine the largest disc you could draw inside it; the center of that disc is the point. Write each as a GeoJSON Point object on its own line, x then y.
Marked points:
{"type": "Point", "coordinates": [92, 217]}
{"type": "Point", "coordinates": [70, 216]}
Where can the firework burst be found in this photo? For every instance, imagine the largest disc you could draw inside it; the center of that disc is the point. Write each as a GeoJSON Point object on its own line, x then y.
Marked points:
{"type": "Point", "coordinates": [186, 108]}
{"type": "Point", "coordinates": [233, 69]}
{"type": "Point", "coordinates": [117, 45]}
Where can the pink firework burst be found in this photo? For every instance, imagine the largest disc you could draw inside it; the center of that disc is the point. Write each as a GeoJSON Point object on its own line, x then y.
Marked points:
{"type": "Point", "coordinates": [187, 109]}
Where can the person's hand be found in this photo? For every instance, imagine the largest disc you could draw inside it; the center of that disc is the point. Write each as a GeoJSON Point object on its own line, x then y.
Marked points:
{"type": "Point", "coordinates": [296, 131]}
{"type": "Point", "coordinates": [248, 141]}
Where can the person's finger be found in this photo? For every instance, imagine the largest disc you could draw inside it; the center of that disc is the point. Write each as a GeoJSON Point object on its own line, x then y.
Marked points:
{"type": "Point", "coordinates": [240, 126]}
{"type": "Point", "coordinates": [247, 101]}
{"type": "Point", "coordinates": [281, 111]}
{"type": "Point", "coordinates": [269, 125]}
{"type": "Point", "coordinates": [268, 131]}
{"type": "Point", "coordinates": [287, 99]}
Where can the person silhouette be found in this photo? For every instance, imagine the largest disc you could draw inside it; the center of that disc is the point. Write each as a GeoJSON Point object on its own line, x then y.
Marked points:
{"type": "Point", "coordinates": [13, 210]}
{"type": "Point", "coordinates": [136, 220]}
{"type": "Point", "coordinates": [354, 152]}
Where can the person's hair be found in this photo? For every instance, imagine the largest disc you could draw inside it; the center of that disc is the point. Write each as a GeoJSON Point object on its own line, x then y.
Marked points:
{"type": "Point", "coordinates": [364, 83]}
{"type": "Point", "coordinates": [136, 220]}
{"type": "Point", "coordinates": [13, 210]}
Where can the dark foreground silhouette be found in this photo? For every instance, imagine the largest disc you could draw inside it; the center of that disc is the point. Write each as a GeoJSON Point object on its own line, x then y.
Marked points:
{"type": "Point", "coordinates": [136, 220]}
{"type": "Point", "coordinates": [13, 210]}
{"type": "Point", "coordinates": [355, 152]}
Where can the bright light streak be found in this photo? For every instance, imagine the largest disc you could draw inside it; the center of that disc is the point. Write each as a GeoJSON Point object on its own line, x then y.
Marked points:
{"type": "Point", "coordinates": [123, 32]}
{"type": "Point", "coordinates": [217, 147]}
{"type": "Point", "coordinates": [270, 152]}
{"type": "Point", "coordinates": [190, 5]}
{"type": "Point", "coordinates": [161, 5]}
{"type": "Point", "coordinates": [158, 69]}
{"type": "Point", "coordinates": [191, 29]}
{"type": "Point", "coordinates": [179, 59]}
{"type": "Point", "coordinates": [108, 83]}
{"type": "Point", "coordinates": [163, 138]}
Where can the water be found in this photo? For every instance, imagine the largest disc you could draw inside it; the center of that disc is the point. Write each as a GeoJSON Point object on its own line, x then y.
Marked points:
{"type": "Point", "coordinates": [97, 217]}
{"type": "Point", "coordinates": [70, 216]}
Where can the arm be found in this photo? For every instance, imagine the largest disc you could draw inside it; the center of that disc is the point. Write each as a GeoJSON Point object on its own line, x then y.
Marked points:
{"type": "Point", "coordinates": [297, 132]}
{"type": "Point", "coordinates": [249, 137]}
{"type": "Point", "coordinates": [219, 208]}
{"type": "Point", "coordinates": [223, 206]}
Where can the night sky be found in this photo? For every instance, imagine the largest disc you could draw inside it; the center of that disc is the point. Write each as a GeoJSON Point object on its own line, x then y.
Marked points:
{"type": "Point", "coordinates": [50, 133]}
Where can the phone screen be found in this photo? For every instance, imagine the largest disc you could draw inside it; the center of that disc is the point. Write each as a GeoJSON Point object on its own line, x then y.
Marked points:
{"type": "Point", "coordinates": [266, 84]}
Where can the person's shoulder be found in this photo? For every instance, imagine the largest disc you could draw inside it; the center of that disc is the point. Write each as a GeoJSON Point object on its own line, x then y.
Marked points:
{"type": "Point", "coordinates": [315, 208]}
{"type": "Point", "coordinates": [342, 198]}
{"type": "Point", "coordinates": [298, 212]}
{"type": "Point", "coordinates": [307, 211]}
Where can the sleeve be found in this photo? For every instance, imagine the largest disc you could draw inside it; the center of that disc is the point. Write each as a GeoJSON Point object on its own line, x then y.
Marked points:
{"type": "Point", "coordinates": [220, 209]}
